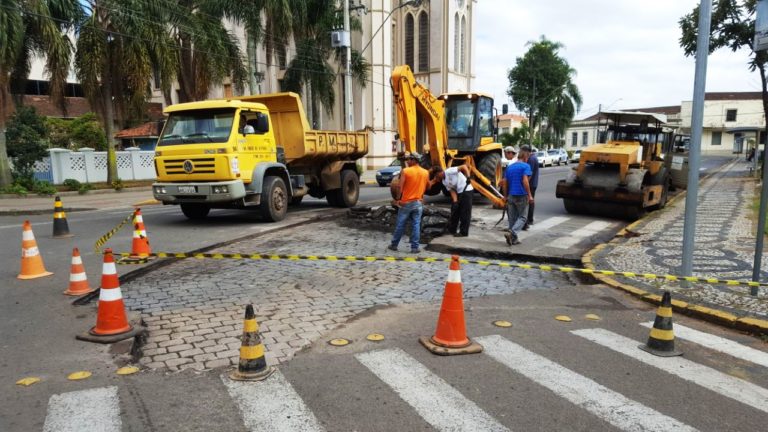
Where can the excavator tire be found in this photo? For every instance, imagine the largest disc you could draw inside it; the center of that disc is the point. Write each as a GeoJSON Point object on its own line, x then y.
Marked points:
{"type": "Point", "coordinates": [487, 164]}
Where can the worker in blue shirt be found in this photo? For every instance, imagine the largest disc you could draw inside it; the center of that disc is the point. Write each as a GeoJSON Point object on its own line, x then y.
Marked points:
{"type": "Point", "coordinates": [517, 193]}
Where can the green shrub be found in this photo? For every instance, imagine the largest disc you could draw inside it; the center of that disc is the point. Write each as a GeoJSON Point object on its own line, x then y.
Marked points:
{"type": "Point", "coordinates": [26, 133]}
{"type": "Point", "coordinates": [84, 188]}
{"type": "Point", "coordinates": [117, 184]}
{"type": "Point", "coordinates": [15, 189]}
{"type": "Point", "coordinates": [44, 188]}
{"type": "Point", "coordinates": [359, 167]}
{"type": "Point", "coordinates": [72, 184]}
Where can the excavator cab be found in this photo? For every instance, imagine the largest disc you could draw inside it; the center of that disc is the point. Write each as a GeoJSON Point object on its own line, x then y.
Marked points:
{"type": "Point", "coordinates": [469, 117]}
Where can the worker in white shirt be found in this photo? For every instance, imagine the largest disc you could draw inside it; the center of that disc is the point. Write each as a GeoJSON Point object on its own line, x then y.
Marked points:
{"type": "Point", "coordinates": [456, 182]}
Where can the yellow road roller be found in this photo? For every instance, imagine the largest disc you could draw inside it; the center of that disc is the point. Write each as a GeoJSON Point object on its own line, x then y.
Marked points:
{"type": "Point", "coordinates": [623, 175]}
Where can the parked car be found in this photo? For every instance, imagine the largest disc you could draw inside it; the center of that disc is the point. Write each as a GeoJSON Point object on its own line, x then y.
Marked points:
{"type": "Point", "coordinates": [576, 156]}
{"type": "Point", "coordinates": [559, 155]}
{"type": "Point", "coordinates": [384, 175]}
{"type": "Point", "coordinates": [545, 159]}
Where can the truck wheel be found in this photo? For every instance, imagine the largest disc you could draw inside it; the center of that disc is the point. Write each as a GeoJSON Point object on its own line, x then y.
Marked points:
{"type": "Point", "coordinates": [347, 195]}
{"type": "Point", "coordinates": [274, 199]}
{"type": "Point", "coordinates": [195, 211]}
{"type": "Point", "coordinates": [487, 165]}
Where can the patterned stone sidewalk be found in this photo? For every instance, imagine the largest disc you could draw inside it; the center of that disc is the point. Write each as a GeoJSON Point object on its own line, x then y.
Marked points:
{"type": "Point", "coordinates": [194, 308]}
{"type": "Point", "coordinates": [724, 245]}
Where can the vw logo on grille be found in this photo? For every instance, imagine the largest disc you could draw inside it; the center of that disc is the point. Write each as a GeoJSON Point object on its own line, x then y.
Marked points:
{"type": "Point", "coordinates": [188, 166]}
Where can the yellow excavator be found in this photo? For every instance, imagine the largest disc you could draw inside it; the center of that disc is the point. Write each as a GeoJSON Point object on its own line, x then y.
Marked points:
{"type": "Point", "coordinates": [624, 175]}
{"type": "Point", "coordinates": [459, 128]}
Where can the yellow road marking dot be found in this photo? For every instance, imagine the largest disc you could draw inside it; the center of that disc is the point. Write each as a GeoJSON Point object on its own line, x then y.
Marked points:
{"type": "Point", "coordinates": [592, 317]}
{"type": "Point", "coordinates": [563, 318]}
{"type": "Point", "coordinates": [375, 337]}
{"type": "Point", "coordinates": [339, 342]}
{"type": "Point", "coordinates": [127, 370]}
{"type": "Point", "coordinates": [28, 381]}
{"type": "Point", "coordinates": [502, 323]}
{"type": "Point", "coordinates": [74, 376]}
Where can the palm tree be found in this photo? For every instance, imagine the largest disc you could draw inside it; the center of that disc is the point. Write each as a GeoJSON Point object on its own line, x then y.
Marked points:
{"type": "Point", "coordinates": [119, 44]}
{"type": "Point", "coordinates": [32, 28]}
{"type": "Point", "coordinates": [563, 106]}
{"type": "Point", "coordinates": [309, 70]}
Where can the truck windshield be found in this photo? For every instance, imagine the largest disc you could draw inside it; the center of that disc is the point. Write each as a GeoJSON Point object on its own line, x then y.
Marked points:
{"type": "Point", "coordinates": [198, 126]}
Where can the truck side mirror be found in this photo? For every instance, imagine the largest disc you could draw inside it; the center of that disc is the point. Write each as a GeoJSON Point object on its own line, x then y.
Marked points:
{"type": "Point", "coordinates": [262, 123]}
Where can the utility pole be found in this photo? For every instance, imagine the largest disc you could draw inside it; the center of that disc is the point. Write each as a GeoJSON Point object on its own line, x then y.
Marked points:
{"type": "Point", "coordinates": [761, 43]}
{"type": "Point", "coordinates": [697, 122]}
{"type": "Point", "coordinates": [348, 72]}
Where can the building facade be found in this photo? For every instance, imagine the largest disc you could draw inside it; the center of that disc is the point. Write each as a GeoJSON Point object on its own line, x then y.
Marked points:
{"type": "Point", "coordinates": [732, 122]}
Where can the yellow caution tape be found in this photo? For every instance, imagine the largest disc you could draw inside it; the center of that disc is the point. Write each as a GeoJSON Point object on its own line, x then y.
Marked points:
{"type": "Point", "coordinates": [542, 267]}
{"type": "Point", "coordinates": [105, 238]}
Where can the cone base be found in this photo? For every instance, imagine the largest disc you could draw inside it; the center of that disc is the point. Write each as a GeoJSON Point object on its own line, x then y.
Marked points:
{"type": "Point", "coordinates": [136, 259]}
{"type": "Point", "coordinates": [79, 293]}
{"type": "Point", "coordinates": [658, 353]}
{"type": "Point", "coordinates": [436, 348]}
{"type": "Point", "coordinates": [126, 328]}
{"type": "Point", "coordinates": [252, 376]}
{"type": "Point", "coordinates": [34, 276]}
{"type": "Point", "coordinates": [67, 235]}
{"type": "Point", "coordinates": [106, 339]}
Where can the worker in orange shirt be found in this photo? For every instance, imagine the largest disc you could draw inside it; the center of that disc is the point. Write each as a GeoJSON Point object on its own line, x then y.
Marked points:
{"type": "Point", "coordinates": [413, 184]}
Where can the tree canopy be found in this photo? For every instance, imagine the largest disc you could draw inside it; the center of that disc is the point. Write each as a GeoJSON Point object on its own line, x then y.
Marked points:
{"type": "Point", "coordinates": [26, 134]}
{"type": "Point", "coordinates": [541, 84]}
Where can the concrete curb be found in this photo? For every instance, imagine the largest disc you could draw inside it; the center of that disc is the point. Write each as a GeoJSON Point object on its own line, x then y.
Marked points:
{"type": "Point", "coordinates": [706, 313]}
{"type": "Point", "coordinates": [70, 193]}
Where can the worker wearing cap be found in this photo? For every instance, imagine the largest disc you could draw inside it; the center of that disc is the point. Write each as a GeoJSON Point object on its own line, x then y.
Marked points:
{"type": "Point", "coordinates": [413, 184]}
{"type": "Point", "coordinates": [517, 193]}
{"type": "Point", "coordinates": [510, 157]}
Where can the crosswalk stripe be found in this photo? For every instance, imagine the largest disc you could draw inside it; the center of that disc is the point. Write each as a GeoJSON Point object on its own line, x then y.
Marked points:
{"type": "Point", "coordinates": [718, 343]}
{"type": "Point", "coordinates": [271, 405]}
{"type": "Point", "coordinates": [580, 234]}
{"type": "Point", "coordinates": [606, 404]}
{"type": "Point", "coordinates": [718, 382]}
{"type": "Point", "coordinates": [84, 411]}
{"type": "Point", "coordinates": [548, 223]}
{"type": "Point", "coordinates": [436, 401]}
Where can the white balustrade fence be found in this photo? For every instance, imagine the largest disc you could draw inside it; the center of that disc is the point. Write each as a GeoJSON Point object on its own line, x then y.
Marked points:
{"type": "Point", "coordinates": [89, 166]}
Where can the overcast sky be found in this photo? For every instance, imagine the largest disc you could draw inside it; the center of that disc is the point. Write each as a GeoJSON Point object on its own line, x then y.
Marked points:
{"type": "Point", "coordinates": [621, 49]}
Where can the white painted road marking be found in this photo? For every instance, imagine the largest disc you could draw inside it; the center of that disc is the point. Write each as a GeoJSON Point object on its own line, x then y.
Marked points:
{"type": "Point", "coordinates": [606, 404]}
{"type": "Point", "coordinates": [718, 343]}
{"type": "Point", "coordinates": [548, 223]}
{"type": "Point", "coordinates": [435, 400]}
{"type": "Point", "coordinates": [718, 382]}
{"type": "Point", "coordinates": [271, 405]}
{"type": "Point", "coordinates": [84, 411]}
{"type": "Point", "coordinates": [580, 234]}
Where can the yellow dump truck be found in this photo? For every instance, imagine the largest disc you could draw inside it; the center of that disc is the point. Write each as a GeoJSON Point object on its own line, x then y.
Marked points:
{"type": "Point", "coordinates": [253, 152]}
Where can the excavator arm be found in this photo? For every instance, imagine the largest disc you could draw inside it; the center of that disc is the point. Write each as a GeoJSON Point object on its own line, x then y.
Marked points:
{"type": "Point", "coordinates": [412, 98]}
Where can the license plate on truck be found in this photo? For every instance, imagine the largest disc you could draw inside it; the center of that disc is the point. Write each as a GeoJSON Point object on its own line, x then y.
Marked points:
{"type": "Point", "coordinates": [187, 189]}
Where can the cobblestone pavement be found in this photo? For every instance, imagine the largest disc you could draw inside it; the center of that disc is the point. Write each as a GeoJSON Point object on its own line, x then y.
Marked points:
{"type": "Point", "coordinates": [194, 308]}
{"type": "Point", "coordinates": [724, 247]}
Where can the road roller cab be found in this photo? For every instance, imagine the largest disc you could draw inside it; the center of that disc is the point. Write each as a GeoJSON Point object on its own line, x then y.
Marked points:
{"type": "Point", "coordinates": [623, 175]}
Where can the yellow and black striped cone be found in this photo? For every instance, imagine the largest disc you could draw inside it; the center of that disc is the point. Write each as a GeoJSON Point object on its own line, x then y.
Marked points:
{"type": "Point", "coordinates": [661, 341]}
{"type": "Point", "coordinates": [60, 226]}
{"type": "Point", "coordinates": [252, 365]}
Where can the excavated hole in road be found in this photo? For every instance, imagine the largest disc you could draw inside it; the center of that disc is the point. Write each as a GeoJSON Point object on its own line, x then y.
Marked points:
{"type": "Point", "coordinates": [434, 220]}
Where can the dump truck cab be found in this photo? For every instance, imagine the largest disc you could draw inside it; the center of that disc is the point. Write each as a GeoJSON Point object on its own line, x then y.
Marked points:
{"type": "Point", "coordinates": [625, 174]}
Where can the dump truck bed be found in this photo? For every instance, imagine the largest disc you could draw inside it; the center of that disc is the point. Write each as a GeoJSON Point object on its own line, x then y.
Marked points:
{"type": "Point", "coordinates": [304, 146]}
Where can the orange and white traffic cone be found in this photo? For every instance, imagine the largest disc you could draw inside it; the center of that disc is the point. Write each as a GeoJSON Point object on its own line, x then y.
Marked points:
{"type": "Point", "coordinates": [451, 334]}
{"type": "Point", "coordinates": [111, 320]}
{"type": "Point", "coordinates": [78, 280]}
{"type": "Point", "coordinates": [140, 247]}
{"type": "Point", "coordinates": [31, 262]}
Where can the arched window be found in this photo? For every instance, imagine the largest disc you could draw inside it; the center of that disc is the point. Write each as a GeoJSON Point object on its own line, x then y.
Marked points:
{"type": "Point", "coordinates": [456, 33]}
{"type": "Point", "coordinates": [463, 44]}
{"type": "Point", "coordinates": [423, 42]}
{"type": "Point", "coordinates": [409, 43]}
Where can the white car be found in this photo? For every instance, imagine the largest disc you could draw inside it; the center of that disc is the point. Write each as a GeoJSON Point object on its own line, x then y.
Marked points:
{"type": "Point", "coordinates": [576, 156]}
{"type": "Point", "coordinates": [545, 159]}
{"type": "Point", "coordinates": [560, 156]}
